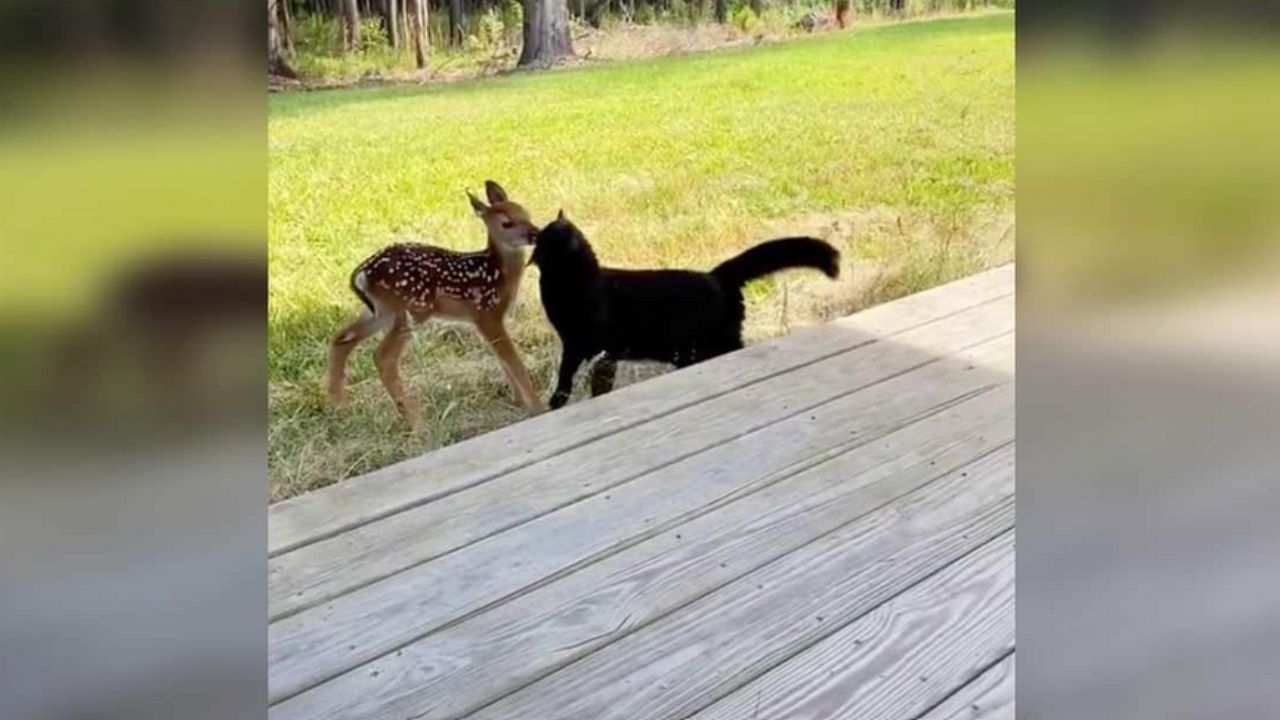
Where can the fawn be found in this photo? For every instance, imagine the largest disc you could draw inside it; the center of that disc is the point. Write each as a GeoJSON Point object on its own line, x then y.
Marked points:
{"type": "Point", "coordinates": [410, 281]}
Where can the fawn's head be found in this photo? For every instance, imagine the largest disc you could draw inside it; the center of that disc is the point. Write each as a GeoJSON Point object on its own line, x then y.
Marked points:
{"type": "Point", "coordinates": [508, 223]}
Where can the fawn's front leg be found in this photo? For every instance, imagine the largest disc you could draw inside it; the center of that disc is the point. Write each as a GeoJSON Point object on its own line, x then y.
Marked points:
{"type": "Point", "coordinates": [495, 333]}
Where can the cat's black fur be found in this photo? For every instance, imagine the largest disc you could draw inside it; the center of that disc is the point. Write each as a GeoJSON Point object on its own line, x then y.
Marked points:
{"type": "Point", "coordinates": [675, 316]}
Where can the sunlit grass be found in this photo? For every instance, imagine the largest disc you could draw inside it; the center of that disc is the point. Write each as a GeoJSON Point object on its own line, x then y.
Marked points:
{"type": "Point", "coordinates": [896, 143]}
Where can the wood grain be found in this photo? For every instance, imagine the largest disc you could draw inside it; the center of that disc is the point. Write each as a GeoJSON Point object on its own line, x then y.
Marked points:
{"type": "Point", "coordinates": [327, 512]}
{"type": "Point", "coordinates": [327, 569]}
{"type": "Point", "coordinates": [467, 664]}
{"type": "Point", "coordinates": [990, 696]}
{"type": "Point", "coordinates": [899, 660]}
{"type": "Point", "coordinates": [360, 625]}
{"type": "Point", "coordinates": [686, 660]}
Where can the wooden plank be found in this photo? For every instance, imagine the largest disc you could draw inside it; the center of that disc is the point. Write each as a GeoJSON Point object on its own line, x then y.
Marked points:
{"type": "Point", "coordinates": [327, 569]}
{"type": "Point", "coordinates": [683, 662]}
{"type": "Point", "coordinates": [990, 696]}
{"type": "Point", "coordinates": [322, 641]}
{"type": "Point", "coordinates": [474, 660]}
{"type": "Point", "coordinates": [466, 664]}
{"type": "Point", "coordinates": [901, 659]}
{"type": "Point", "coordinates": [325, 513]}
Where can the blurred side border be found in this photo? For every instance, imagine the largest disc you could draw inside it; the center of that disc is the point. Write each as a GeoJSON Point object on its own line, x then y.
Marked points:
{"type": "Point", "coordinates": [1149, 359]}
{"type": "Point", "coordinates": [132, 359]}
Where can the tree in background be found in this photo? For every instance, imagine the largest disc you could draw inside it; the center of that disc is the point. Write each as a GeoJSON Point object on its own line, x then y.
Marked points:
{"type": "Point", "coordinates": [456, 32]}
{"type": "Point", "coordinates": [546, 33]}
{"type": "Point", "coordinates": [276, 64]}
{"type": "Point", "coordinates": [393, 21]}
{"type": "Point", "coordinates": [421, 46]}
{"type": "Point", "coordinates": [481, 30]}
{"type": "Point", "coordinates": [285, 20]}
{"type": "Point", "coordinates": [351, 18]}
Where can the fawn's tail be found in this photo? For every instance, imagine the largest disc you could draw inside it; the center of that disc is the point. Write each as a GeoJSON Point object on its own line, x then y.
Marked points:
{"type": "Point", "coordinates": [774, 255]}
{"type": "Point", "coordinates": [358, 287]}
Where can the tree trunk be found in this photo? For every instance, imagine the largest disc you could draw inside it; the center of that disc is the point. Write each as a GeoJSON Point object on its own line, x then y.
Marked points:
{"type": "Point", "coordinates": [393, 23]}
{"type": "Point", "coordinates": [757, 7]}
{"type": "Point", "coordinates": [276, 64]}
{"type": "Point", "coordinates": [421, 45]}
{"type": "Point", "coordinates": [722, 11]}
{"type": "Point", "coordinates": [546, 33]}
{"type": "Point", "coordinates": [406, 22]}
{"type": "Point", "coordinates": [595, 12]}
{"type": "Point", "coordinates": [456, 33]}
{"type": "Point", "coordinates": [351, 21]}
{"type": "Point", "coordinates": [286, 26]}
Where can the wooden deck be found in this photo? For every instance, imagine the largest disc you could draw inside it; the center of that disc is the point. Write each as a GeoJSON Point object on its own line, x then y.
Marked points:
{"type": "Point", "coordinates": [820, 526]}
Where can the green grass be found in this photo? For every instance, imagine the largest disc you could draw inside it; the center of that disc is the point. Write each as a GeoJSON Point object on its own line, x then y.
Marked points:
{"type": "Point", "coordinates": [896, 143]}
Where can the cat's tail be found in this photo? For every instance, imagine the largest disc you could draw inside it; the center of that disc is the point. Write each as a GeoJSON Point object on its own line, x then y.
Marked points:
{"type": "Point", "coordinates": [774, 255]}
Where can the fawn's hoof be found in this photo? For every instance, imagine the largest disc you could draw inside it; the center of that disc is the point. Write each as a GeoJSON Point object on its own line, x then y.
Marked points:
{"type": "Point", "coordinates": [338, 399]}
{"type": "Point", "coordinates": [411, 412]}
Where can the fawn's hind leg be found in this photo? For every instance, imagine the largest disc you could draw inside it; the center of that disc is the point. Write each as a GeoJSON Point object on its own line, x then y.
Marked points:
{"type": "Point", "coordinates": [603, 373]}
{"type": "Point", "coordinates": [389, 352]}
{"type": "Point", "coordinates": [341, 347]}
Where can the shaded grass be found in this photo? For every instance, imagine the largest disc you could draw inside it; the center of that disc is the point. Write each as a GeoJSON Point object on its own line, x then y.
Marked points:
{"type": "Point", "coordinates": [895, 143]}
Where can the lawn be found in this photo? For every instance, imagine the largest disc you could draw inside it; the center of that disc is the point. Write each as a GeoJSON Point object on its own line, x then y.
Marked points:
{"type": "Point", "coordinates": [896, 143]}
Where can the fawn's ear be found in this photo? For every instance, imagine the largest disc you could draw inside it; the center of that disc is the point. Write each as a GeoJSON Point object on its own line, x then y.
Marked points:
{"type": "Point", "coordinates": [476, 203]}
{"type": "Point", "coordinates": [495, 192]}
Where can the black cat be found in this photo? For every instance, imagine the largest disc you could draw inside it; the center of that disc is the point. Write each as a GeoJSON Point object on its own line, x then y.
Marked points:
{"type": "Point", "coordinates": [675, 316]}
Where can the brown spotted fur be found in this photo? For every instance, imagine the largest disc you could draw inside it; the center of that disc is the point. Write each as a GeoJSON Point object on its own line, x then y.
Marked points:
{"type": "Point", "coordinates": [411, 282]}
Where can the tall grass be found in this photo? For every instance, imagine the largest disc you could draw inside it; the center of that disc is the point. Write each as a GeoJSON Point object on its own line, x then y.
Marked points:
{"type": "Point", "coordinates": [895, 143]}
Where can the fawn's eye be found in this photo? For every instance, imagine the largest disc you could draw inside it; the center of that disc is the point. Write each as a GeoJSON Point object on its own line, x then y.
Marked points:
{"type": "Point", "coordinates": [507, 223]}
